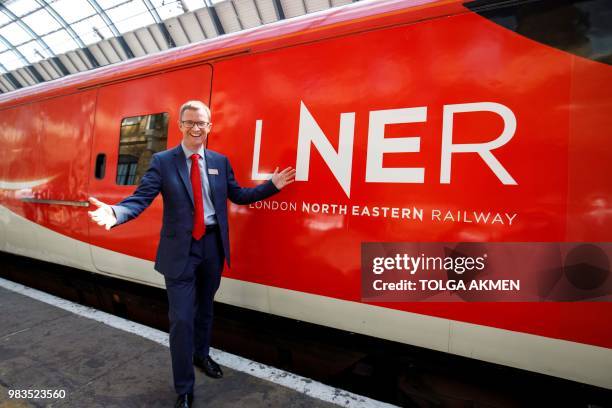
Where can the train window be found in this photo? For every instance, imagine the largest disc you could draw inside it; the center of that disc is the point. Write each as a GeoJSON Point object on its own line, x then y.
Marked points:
{"type": "Point", "coordinates": [140, 138]}
{"type": "Point", "coordinates": [581, 27]}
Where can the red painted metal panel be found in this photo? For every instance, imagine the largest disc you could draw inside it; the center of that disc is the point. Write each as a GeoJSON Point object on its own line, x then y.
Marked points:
{"type": "Point", "coordinates": [460, 59]}
{"type": "Point", "coordinates": [590, 194]}
{"type": "Point", "coordinates": [48, 159]}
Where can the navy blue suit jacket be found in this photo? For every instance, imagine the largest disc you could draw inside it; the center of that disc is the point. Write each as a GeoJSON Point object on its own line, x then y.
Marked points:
{"type": "Point", "coordinates": [169, 175]}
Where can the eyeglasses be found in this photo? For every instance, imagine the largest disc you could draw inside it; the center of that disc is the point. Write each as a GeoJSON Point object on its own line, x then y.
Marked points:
{"type": "Point", "coordinates": [191, 123]}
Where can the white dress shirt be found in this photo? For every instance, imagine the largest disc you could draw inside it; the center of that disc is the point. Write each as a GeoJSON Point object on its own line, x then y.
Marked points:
{"type": "Point", "coordinates": [209, 210]}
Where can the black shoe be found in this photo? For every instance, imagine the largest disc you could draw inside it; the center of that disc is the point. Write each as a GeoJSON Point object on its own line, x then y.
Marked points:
{"type": "Point", "coordinates": [208, 365]}
{"type": "Point", "coordinates": [184, 401]}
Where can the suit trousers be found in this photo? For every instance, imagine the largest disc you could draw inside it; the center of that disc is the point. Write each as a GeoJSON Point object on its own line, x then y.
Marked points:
{"type": "Point", "coordinates": [190, 307]}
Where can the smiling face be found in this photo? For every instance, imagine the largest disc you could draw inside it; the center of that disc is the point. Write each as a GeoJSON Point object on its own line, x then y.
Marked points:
{"type": "Point", "coordinates": [194, 137]}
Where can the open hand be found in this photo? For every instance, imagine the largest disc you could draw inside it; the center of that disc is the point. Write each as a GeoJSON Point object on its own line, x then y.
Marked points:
{"type": "Point", "coordinates": [280, 180]}
{"type": "Point", "coordinates": [104, 215]}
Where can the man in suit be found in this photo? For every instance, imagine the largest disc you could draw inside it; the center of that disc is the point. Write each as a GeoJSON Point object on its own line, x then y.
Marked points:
{"type": "Point", "coordinates": [195, 184]}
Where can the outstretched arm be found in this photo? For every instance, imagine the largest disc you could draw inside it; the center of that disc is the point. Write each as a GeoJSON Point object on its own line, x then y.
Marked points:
{"type": "Point", "coordinates": [244, 195]}
{"type": "Point", "coordinates": [132, 206]}
{"type": "Point", "coordinates": [285, 177]}
{"type": "Point", "coordinates": [104, 215]}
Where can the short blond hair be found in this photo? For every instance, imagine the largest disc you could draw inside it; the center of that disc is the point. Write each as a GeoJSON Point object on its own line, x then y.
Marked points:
{"type": "Point", "coordinates": [194, 105]}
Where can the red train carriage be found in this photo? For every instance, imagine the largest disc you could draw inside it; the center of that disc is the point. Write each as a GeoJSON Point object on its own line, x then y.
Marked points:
{"type": "Point", "coordinates": [459, 107]}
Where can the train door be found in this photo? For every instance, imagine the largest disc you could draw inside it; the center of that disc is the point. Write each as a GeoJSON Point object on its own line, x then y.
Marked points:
{"type": "Point", "coordinates": [134, 120]}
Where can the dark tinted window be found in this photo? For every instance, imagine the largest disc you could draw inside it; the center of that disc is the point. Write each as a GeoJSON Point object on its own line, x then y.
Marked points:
{"type": "Point", "coordinates": [140, 138]}
{"type": "Point", "coordinates": [581, 27]}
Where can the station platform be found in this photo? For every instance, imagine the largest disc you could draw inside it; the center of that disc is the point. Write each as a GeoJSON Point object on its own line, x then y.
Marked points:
{"type": "Point", "coordinates": [50, 347]}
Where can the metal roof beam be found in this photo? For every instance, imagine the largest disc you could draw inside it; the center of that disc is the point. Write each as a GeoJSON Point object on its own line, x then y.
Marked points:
{"type": "Point", "coordinates": [36, 37]}
{"type": "Point", "coordinates": [167, 36]}
{"type": "Point", "coordinates": [42, 68]}
{"type": "Point", "coordinates": [160, 23]}
{"type": "Point", "coordinates": [29, 13]}
{"type": "Point", "coordinates": [92, 60]}
{"type": "Point", "coordinates": [153, 11]}
{"type": "Point", "coordinates": [111, 26]}
{"type": "Point", "coordinates": [27, 29]}
{"type": "Point", "coordinates": [14, 82]}
{"type": "Point", "coordinates": [180, 23]}
{"type": "Point", "coordinates": [157, 44]}
{"type": "Point", "coordinates": [34, 72]}
{"type": "Point", "coordinates": [22, 59]}
{"type": "Point", "coordinates": [126, 48]}
{"type": "Point", "coordinates": [280, 13]}
{"type": "Point", "coordinates": [109, 23]}
{"type": "Point", "coordinates": [60, 65]}
{"type": "Point", "coordinates": [15, 51]}
{"type": "Point", "coordinates": [75, 37]}
{"type": "Point", "coordinates": [215, 17]}
{"type": "Point", "coordinates": [258, 12]}
{"type": "Point", "coordinates": [197, 19]}
{"type": "Point", "coordinates": [237, 15]}
{"type": "Point", "coordinates": [61, 22]}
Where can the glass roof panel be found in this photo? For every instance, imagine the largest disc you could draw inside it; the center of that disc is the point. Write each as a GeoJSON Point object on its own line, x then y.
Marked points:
{"type": "Point", "coordinates": [167, 9]}
{"type": "Point", "coordinates": [85, 30]}
{"type": "Point", "coordinates": [4, 19]}
{"type": "Point", "coordinates": [126, 15]}
{"type": "Point", "coordinates": [60, 42]}
{"type": "Point", "coordinates": [130, 16]}
{"type": "Point", "coordinates": [15, 34]}
{"type": "Point", "coordinates": [194, 4]}
{"type": "Point", "coordinates": [73, 10]}
{"type": "Point", "coordinates": [106, 4]}
{"type": "Point", "coordinates": [21, 7]}
{"type": "Point", "coordinates": [10, 60]}
{"type": "Point", "coordinates": [41, 22]}
{"type": "Point", "coordinates": [32, 51]}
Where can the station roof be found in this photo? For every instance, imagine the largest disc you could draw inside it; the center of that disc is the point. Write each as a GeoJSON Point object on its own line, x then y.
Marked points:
{"type": "Point", "coordinates": [41, 40]}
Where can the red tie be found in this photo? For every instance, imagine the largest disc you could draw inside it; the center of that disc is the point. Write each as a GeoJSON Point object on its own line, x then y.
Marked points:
{"type": "Point", "coordinates": [199, 228]}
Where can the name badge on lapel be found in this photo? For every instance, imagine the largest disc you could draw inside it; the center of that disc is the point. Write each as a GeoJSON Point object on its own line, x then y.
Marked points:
{"type": "Point", "coordinates": [213, 171]}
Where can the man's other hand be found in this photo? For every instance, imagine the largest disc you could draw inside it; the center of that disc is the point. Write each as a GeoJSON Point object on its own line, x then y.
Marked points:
{"type": "Point", "coordinates": [104, 215]}
{"type": "Point", "coordinates": [280, 180]}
